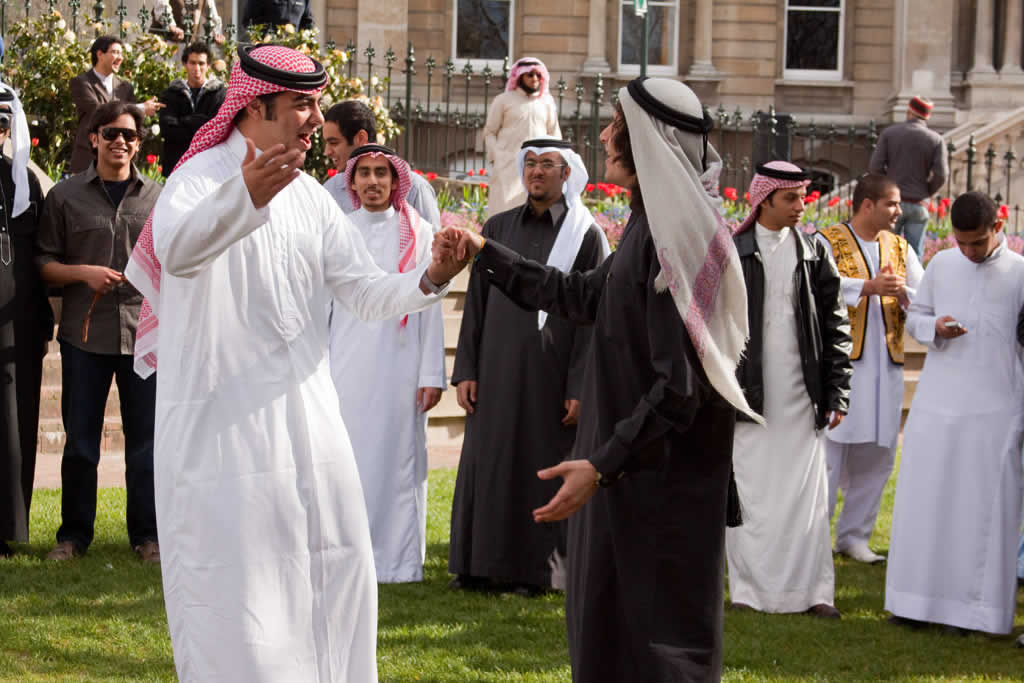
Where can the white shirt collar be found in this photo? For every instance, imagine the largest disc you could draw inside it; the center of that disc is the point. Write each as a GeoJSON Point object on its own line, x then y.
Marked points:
{"type": "Point", "coordinates": [107, 81]}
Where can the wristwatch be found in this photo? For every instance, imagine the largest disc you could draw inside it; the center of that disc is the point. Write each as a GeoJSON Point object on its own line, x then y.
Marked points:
{"type": "Point", "coordinates": [425, 283]}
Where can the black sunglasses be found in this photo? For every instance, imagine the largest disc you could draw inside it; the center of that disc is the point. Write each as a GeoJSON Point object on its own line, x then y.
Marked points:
{"type": "Point", "coordinates": [110, 134]}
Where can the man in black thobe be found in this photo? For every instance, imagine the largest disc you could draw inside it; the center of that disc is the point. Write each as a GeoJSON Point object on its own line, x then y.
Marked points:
{"type": "Point", "coordinates": [519, 380]}
{"type": "Point", "coordinates": [26, 323]}
{"type": "Point", "coordinates": [650, 476]}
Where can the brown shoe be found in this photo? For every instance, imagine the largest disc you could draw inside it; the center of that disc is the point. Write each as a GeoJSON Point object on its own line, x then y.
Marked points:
{"type": "Point", "coordinates": [148, 552]}
{"type": "Point", "coordinates": [824, 611]}
{"type": "Point", "coordinates": [64, 550]}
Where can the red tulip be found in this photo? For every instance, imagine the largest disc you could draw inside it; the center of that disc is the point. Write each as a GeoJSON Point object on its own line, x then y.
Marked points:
{"type": "Point", "coordinates": [483, 171]}
{"type": "Point", "coordinates": [417, 171]}
{"type": "Point", "coordinates": [150, 159]}
{"type": "Point", "coordinates": [932, 207]}
{"type": "Point", "coordinates": [730, 194]}
{"type": "Point", "coordinates": [483, 186]}
{"type": "Point", "coordinates": [470, 173]}
{"type": "Point", "coordinates": [35, 142]}
{"type": "Point", "coordinates": [590, 187]}
{"type": "Point", "coordinates": [431, 176]}
{"type": "Point", "coordinates": [834, 201]}
{"type": "Point", "coordinates": [331, 172]}
{"type": "Point", "coordinates": [942, 210]}
{"type": "Point", "coordinates": [1004, 211]}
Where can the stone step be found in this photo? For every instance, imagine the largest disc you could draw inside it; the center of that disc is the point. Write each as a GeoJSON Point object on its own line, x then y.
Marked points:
{"type": "Point", "coordinates": [52, 437]}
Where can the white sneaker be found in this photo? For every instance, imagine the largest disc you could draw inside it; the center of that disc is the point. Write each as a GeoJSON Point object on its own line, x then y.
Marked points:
{"type": "Point", "coordinates": [861, 552]}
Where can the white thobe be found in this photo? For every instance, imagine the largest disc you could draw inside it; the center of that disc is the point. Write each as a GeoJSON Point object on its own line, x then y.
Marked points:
{"type": "Point", "coordinates": [956, 517]}
{"type": "Point", "coordinates": [377, 368]}
{"type": "Point", "coordinates": [861, 451]}
{"type": "Point", "coordinates": [780, 560]}
{"type": "Point", "coordinates": [513, 118]}
{"type": "Point", "coordinates": [266, 557]}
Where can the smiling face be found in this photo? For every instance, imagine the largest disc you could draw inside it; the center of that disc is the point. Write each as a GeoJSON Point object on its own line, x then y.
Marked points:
{"type": "Point", "coordinates": [289, 119]}
{"type": "Point", "coordinates": [543, 175]}
{"type": "Point", "coordinates": [372, 180]}
{"type": "Point", "coordinates": [114, 157]}
{"type": "Point", "coordinates": [615, 171]}
{"type": "Point", "coordinates": [110, 61]}
{"type": "Point", "coordinates": [886, 211]}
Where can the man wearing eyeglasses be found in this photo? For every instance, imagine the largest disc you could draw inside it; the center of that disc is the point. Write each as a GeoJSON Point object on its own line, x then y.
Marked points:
{"type": "Point", "coordinates": [518, 376]}
{"type": "Point", "coordinates": [89, 225]}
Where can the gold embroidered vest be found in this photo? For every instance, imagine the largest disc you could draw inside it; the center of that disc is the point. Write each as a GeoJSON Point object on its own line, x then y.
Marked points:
{"type": "Point", "coordinates": [850, 260]}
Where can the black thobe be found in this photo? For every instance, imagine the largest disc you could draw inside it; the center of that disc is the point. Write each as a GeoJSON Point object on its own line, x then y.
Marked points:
{"type": "Point", "coordinates": [524, 377]}
{"type": "Point", "coordinates": [26, 323]}
{"type": "Point", "coordinates": [644, 595]}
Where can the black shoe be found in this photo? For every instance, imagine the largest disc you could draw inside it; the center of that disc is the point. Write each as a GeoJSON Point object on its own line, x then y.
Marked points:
{"type": "Point", "coordinates": [5, 550]}
{"type": "Point", "coordinates": [950, 630]}
{"type": "Point", "coordinates": [466, 582]}
{"type": "Point", "coordinates": [912, 624]}
{"type": "Point", "coordinates": [823, 611]}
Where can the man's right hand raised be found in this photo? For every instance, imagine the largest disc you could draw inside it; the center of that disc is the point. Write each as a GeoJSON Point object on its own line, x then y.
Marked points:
{"type": "Point", "coordinates": [270, 172]}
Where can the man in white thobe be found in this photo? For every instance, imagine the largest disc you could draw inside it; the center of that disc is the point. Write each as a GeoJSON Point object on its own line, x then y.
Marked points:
{"type": "Point", "coordinates": [956, 516]}
{"type": "Point", "coordinates": [879, 274]}
{"type": "Point", "coordinates": [389, 373]}
{"type": "Point", "coordinates": [523, 112]}
{"type": "Point", "coordinates": [267, 564]}
{"type": "Point", "coordinates": [796, 373]}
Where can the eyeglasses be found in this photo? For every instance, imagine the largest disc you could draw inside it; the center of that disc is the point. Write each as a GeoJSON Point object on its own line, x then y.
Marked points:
{"type": "Point", "coordinates": [546, 166]}
{"type": "Point", "coordinates": [110, 134]}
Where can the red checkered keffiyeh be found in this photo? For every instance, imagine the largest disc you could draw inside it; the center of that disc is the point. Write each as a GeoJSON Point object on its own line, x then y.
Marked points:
{"type": "Point", "coordinates": [408, 219]}
{"type": "Point", "coordinates": [763, 185]}
{"type": "Point", "coordinates": [143, 269]}
{"type": "Point", "coordinates": [525, 66]}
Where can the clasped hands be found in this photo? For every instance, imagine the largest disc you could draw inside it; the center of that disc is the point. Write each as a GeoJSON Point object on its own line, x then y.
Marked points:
{"type": "Point", "coordinates": [887, 283]}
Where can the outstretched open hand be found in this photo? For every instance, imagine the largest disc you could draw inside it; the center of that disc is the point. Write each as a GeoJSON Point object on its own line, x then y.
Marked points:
{"type": "Point", "coordinates": [270, 172]}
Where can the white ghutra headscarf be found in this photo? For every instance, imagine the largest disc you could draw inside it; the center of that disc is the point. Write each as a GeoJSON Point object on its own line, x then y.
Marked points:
{"type": "Point", "coordinates": [678, 169]}
{"type": "Point", "coordinates": [578, 219]}
{"type": "Point", "coordinates": [21, 145]}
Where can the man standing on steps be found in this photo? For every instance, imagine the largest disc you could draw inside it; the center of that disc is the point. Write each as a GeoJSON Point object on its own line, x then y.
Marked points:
{"type": "Point", "coordinates": [914, 157]}
{"type": "Point", "coordinates": [96, 86]}
{"type": "Point", "coordinates": [879, 275]}
{"type": "Point", "coordinates": [89, 226]}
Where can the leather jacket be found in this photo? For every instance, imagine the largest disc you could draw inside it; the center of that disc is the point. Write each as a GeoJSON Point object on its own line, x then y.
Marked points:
{"type": "Point", "coordinates": [822, 323]}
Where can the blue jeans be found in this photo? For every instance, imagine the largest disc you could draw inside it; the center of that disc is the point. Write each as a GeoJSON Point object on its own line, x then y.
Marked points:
{"type": "Point", "coordinates": [86, 381]}
{"type": "Point", "coordinates": [912, 225]}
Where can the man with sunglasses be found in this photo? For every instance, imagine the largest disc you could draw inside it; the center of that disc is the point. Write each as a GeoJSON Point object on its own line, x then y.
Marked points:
{"type": "Point", "coordinates": [519, 377]}
{"type": "Point", "coordinates": [89, 225]}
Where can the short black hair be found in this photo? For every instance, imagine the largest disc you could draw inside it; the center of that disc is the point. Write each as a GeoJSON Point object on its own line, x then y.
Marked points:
{"type": "Point", "coordinates": [352, 116]}
{"type": "Point", "coordinates": [972, 211]}
{"type": "Point", "coordinates": [196, 48]}
{"type": "Point", "coordinates": [871, 186]}
{"type": "Point", "coordinates": [110, 111]}
{"type": "Point", "coordinates": [102, 44]}
{"type": "Point", "coordinates": [268, 102]}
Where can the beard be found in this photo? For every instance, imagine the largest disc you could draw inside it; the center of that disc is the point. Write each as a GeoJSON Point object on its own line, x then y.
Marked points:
{"type": "Point", "coordinates": [527, 89]}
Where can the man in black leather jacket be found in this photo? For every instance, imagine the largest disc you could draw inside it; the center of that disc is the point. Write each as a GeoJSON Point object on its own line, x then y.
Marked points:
{"type": "Point", "coordinates": [796, 373]}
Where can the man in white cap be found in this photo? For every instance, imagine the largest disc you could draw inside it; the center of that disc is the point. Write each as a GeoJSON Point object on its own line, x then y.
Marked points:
{"type": "Point", "coordinates": [524, 111]}
{"type": "Point", "coordinates": [519, 377]}
{"type": "Point", "coordinates": [650, 474]}
{"type": "Point", "coordinates": [266, 556]}
{"type": "Point", "coordinates": [389, 373]}
{"type": "Point", "coordinates": [796, 373]}
{"type": "Point", "coordinates": [26, 322]}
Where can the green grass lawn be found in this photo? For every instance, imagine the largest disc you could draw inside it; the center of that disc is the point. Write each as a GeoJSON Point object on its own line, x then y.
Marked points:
{"type": "Point", "coordinates": [101, 618]}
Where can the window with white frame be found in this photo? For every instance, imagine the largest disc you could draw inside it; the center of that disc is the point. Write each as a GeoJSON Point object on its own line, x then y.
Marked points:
{"type": "Point", "coordinates": [814, 40]}
{"type": "Point", "coordinates": [482, 30]}
{"type": "Point", "coordinates": [662, 37]}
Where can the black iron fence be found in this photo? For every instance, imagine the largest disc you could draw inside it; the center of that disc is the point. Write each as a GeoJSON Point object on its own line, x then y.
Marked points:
{"type": "Point", "coordinates": [442, 108]}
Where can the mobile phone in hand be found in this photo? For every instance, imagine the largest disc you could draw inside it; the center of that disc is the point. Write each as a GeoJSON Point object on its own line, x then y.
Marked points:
{"type": "Point", "coordinates": [953, 324]}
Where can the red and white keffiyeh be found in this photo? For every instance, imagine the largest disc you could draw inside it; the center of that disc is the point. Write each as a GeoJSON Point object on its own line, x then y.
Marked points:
{"type": "Point", "coordinates": [408, 218]}
{"type": "Point", "coordinates": [763, 185]}
{"type": "Point", "coordinates": [143, 269]}
{"type": "Point", "coordinates": [525, 66]}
